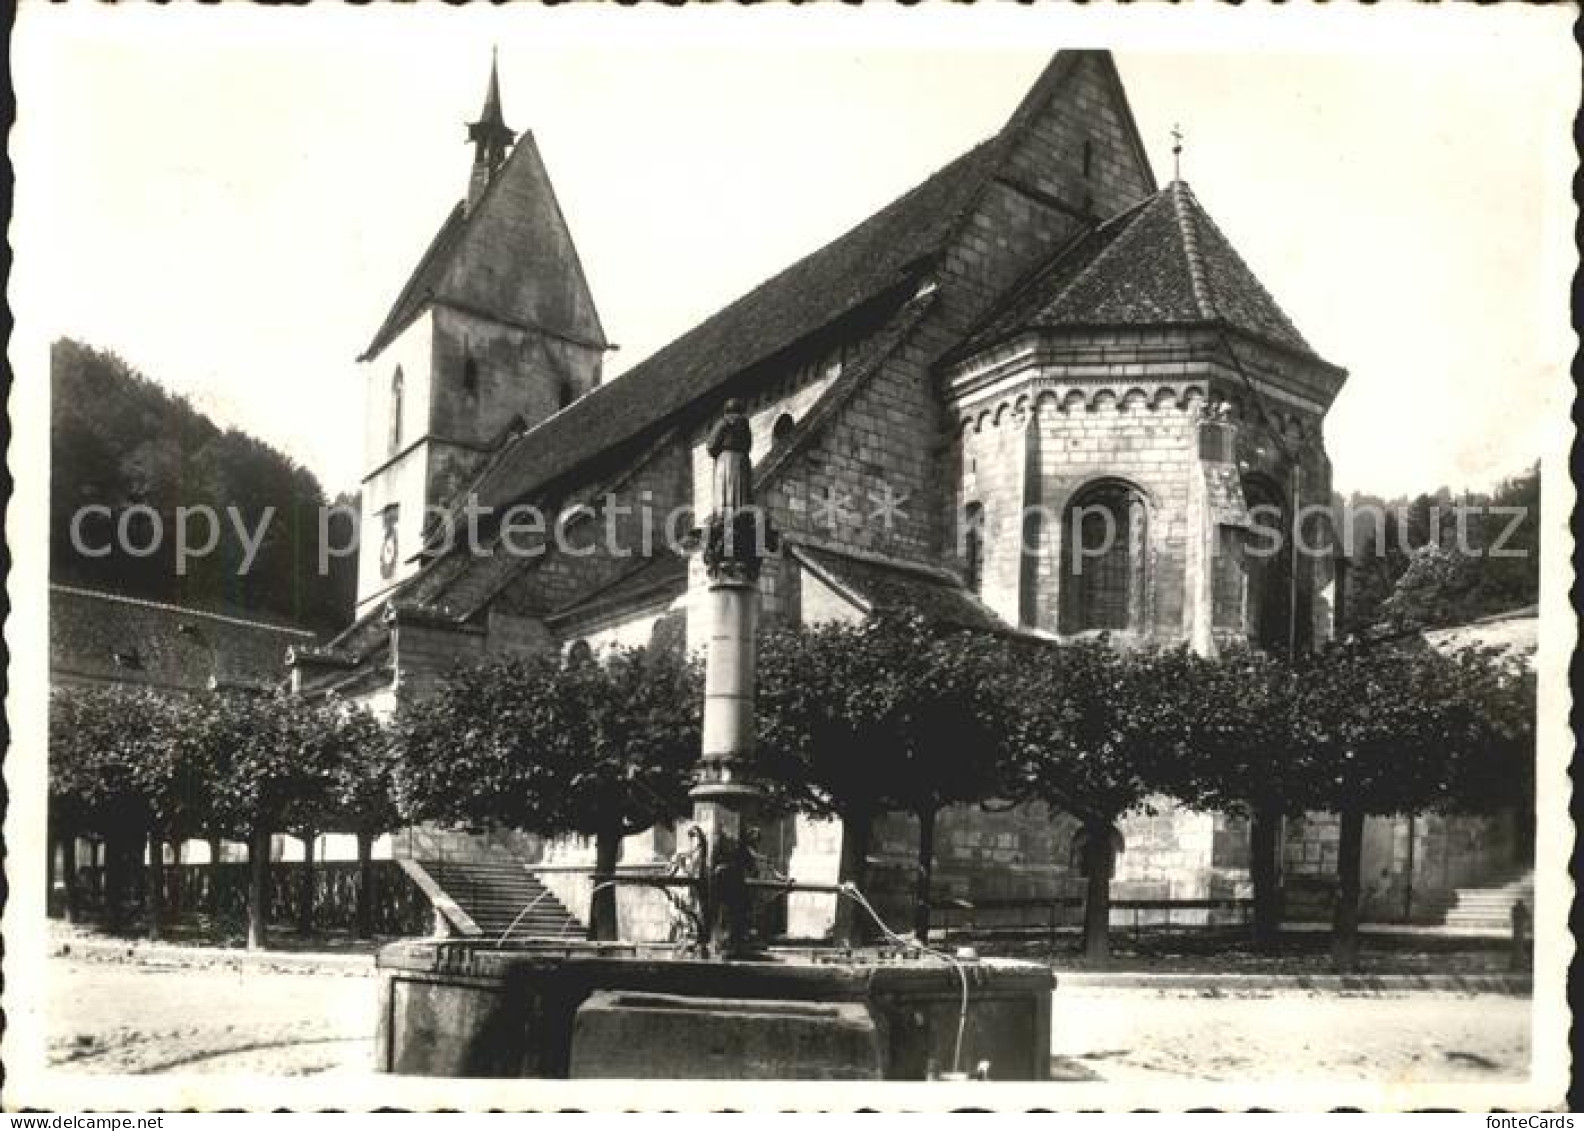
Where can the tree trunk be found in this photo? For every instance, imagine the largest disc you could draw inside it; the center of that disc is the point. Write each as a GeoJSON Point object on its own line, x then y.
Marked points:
{"type": "Point", "coordinates": [96, 861]}
{"type": "Point", "coordinates": [1265, 871]}
{"type": "Point", "coordinates": [177, 887]}
{"type": "Point", "coordinates": [154, 894]}
{"type": "Point", "coordinates": [364, 922]}
{"type": "Point", "coordinates": [602, 905]}
{"type": "Point", "coordinates": [115, 886]}
{"type": "Point", "coordinates": [52, 842]}
{"type": "Point", "coordinates": [852, 924]}
{"type": "Point", "coordinates": [214, 876]}
{"type": "Point", "coordinates": [69, 873]}
{"type": "Point", "coordinates": [1099, 859]}
{"type": "Point", "coordinates": [305, 910]}
{"type": "Point", "coordinates": [1345, 920]}
{"type": "Point", "coordinates": [926, 874]}
{"type": "Point", "coordinates": [258, 889]}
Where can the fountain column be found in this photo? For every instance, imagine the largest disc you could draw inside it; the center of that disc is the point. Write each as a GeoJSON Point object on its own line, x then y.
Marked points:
{"type": "Point", "coordinates": [727, 791]}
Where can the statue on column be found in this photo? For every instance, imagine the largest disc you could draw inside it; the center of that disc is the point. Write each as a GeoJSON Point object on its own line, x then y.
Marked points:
{"type": "Point", "coordinates": [729, 443]}
{"type": "Point", "coordinates": [736, 535]}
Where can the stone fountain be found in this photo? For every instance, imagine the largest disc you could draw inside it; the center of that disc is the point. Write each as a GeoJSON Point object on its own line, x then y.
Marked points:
{"type": "Point", "coordinates": [723, 1007]}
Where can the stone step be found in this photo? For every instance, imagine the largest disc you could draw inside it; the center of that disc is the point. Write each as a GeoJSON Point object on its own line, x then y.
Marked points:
{"type": "Point", "coordinates": [1488, 907]}
{"type": "Point", "coordinates": [500, 895]}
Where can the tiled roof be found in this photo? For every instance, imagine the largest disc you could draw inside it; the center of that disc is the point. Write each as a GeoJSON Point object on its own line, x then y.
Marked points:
{"type": "Point", "coordinates": [1163, 262]}
{"type": "Point", "coordinates": [102, 636]}
{"type": "Point", "coordinates": [888, 587]}
{"type": "Point", "coordinates": [886, 252]}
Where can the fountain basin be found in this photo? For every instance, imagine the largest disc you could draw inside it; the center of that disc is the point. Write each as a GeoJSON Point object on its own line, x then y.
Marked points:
{"type": "Point", "coordinates": [467, 1008]}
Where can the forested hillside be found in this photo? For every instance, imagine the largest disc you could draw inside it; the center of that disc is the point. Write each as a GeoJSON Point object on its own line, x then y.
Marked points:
{"type": "Point", "coordinates": [120, 441]}
{"type": "Point", "coordinates": [1409, 569]}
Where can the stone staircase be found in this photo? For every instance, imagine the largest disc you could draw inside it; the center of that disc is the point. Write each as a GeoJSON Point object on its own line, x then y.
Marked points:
{"type": "Point", "coordinates": [489, 897]}
{"type": "Point", "coordinates": [1488, 908]}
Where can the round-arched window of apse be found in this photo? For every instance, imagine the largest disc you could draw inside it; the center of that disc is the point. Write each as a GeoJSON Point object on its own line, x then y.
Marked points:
{"type": "Point", "coordinates": [1105, 559]}
{"type": "Point", "coordinates": [579, 653]}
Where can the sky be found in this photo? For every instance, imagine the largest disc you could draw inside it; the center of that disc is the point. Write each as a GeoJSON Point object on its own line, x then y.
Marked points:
{"type": "Point", "coordinates": [230, 199]}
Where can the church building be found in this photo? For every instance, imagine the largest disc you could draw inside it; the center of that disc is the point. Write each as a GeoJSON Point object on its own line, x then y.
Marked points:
{"type": "Point", "coordinates": [1037, 339]}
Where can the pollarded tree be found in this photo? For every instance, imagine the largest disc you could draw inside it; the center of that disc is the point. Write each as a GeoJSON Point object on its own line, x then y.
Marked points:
{"type": "Point", "coordinates": [1240, 758]}
{"type": "Point", "coordinates": [1092, 730]}
{"type": "Point", "coordinates": [275, 757]}
{"type": "Point", "coordinates": [938, 701]}
{"type": "Point", "coordinates": [1384, 730]}
{"type": "Point", "coordinates": [362, 797]}
{"type": "Point", "coordinates": [602, 748]}
{"type": "Point", "coordinates": [882, 715]}
{"type": "Point", "coordinates": [121, 765]}
{"type": "Point", "coordinates": [815, 734]}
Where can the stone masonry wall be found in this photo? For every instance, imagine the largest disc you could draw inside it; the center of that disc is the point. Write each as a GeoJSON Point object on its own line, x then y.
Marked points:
{"type": "Point", "coordinates": [1448, 852]}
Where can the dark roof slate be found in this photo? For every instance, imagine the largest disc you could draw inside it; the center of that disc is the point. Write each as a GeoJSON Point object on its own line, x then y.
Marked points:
{"type": "Point", "coordinates": [887, 587]}
{"type": "Point", "coordinates": [108, 637]}
{"type": "Point", "coordinates": [885, 252]}
{"type": "Point", "coordinates": [664, 574]}
{"type": "Point", "coordinates": [1163, 262]}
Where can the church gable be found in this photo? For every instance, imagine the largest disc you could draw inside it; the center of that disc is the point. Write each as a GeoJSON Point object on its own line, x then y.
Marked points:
{"type": "Point", "coordinates": [1076, 143]}
{"type": "Point", "coordinates": [1067, 158]}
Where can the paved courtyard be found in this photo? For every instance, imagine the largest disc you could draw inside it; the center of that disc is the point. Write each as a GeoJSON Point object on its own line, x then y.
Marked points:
{"type": "Point", "coordinates": [132, 1018]}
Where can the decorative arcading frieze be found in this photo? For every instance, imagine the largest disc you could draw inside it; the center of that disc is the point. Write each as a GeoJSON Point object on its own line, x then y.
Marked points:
{"type": "Point", "coordinates": [1243, 409]}
{"type": "Point", "coordinates": [1045, 398]}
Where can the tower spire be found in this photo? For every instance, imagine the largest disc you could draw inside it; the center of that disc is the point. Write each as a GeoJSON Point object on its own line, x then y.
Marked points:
{"type": "Point", "coordinates": [489, 136]}
{"type": "Point", "coordinates": [1177, 140]}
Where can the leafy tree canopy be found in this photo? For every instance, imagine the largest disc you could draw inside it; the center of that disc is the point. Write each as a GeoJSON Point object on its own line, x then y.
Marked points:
{"type": "Point", "coordinates": [552, 747]}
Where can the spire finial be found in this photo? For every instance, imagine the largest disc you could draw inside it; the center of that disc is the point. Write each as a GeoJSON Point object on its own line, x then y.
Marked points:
{"type": "Point", "coordinates": [489, 136]}
{"type": "Point", "coordinates": [1177, 140]}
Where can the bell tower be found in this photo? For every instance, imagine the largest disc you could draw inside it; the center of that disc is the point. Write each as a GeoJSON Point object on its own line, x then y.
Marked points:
{"type": "Point", "coordinates": [495, 331]}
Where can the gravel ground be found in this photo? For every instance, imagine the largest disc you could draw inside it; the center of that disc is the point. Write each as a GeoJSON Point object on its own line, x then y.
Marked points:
{"type": "Point", "coordinates": [1421, 1037]}
{"type": "Point", "coordinates": [133, 1017]}
{"type": "Point", "coordinates": [126, 1017]}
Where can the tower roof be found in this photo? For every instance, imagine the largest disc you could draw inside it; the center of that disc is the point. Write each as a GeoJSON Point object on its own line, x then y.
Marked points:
{"type": "Point", "coordinates": [505, 251]}
{"type": "Point", "coordinates": [1162, 262]}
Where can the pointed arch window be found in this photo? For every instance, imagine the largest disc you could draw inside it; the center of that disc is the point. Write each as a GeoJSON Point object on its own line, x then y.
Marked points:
{"type": "Point", "coordinates": [393, 443]}
{"type": "Point", "coordinates": [1105, 559]}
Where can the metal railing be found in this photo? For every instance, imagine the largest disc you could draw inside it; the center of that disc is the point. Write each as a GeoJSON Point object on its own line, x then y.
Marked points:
{"type": "Point", "coordinates": [964, 915]}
